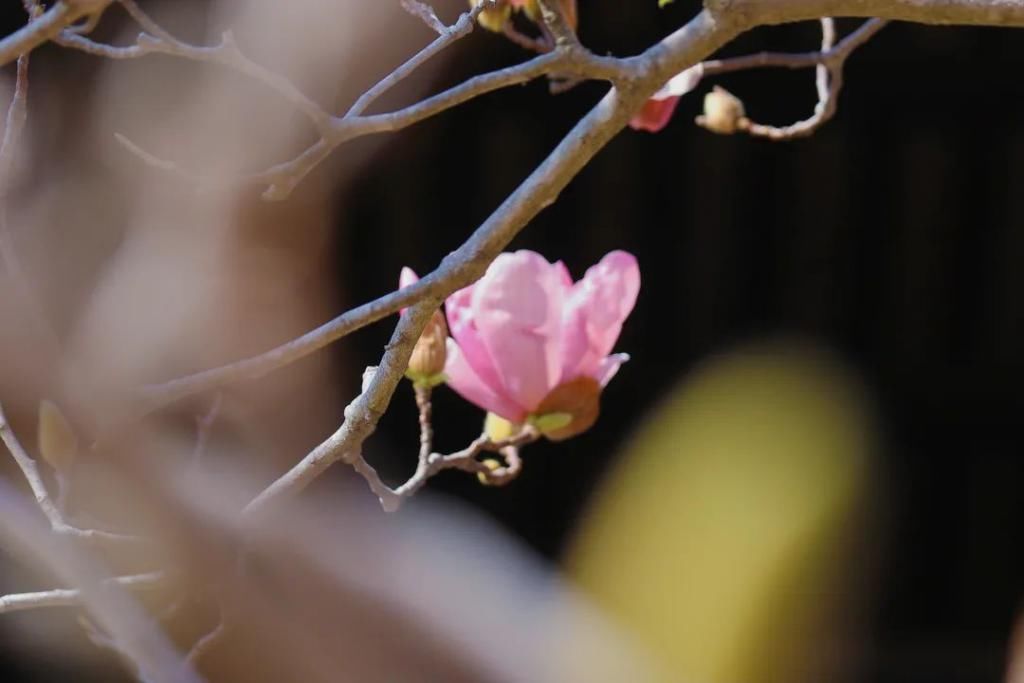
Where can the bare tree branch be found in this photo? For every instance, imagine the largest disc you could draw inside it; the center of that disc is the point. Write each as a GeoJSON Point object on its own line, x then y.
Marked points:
{"type": "Point", "coordinates": [46, 27]}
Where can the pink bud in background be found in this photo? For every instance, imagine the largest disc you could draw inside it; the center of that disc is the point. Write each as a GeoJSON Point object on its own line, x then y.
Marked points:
{"type": "Point", "coordinates": [525, 329]}
{"type": "Point", "coordinates": [657, 111]}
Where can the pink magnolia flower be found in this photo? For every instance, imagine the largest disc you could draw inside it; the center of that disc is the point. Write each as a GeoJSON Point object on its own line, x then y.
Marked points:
{"type": "Point", "coordinates": [657, 111]}
{"type": "Point", "coordinates": [525, 329]}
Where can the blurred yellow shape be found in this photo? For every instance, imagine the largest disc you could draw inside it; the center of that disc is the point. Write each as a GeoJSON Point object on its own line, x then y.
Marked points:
{"type": "Point", "coordinates": [720, 535]}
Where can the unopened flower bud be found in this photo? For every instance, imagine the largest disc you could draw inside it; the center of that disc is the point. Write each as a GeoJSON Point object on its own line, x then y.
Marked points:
{"type": "Point", "coordinates": [493, 18]}
{"type": "Point", "coordinates": [723, 112]}
{"type": "Point", "coordinates": [569, 409]}
{"type": "Point", "coordinates": [58, 444]}
{"type": "Point", "coordinates": [426, 365]}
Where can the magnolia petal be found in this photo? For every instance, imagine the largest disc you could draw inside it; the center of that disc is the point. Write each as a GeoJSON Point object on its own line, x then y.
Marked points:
{"type": "Point", "coordinates": [658, 110]}
{"type": "Point", "coordinates": [517, 309]}
{"type": "Point", "coordinates": [462, 327]}
{"type": "Point", "coordinates": [465, 382]}
{"type": "Point", "coordinates": [608, 367]}
{"type": "Point", "coordinates": [682, 83]}
{"type": "Point", "coordinates": [407, 277]}
{"type": "Point", "coordinates": [654, 115]}
{"type": "Point", "coordinates": [607, 295]}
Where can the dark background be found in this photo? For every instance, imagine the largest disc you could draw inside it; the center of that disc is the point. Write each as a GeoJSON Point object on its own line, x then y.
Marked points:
{"type": "Point", "coordinates": [895, 236]}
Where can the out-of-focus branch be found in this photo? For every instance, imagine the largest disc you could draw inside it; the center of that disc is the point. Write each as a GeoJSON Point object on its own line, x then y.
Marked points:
{"type": "Point", "coordinates": [53, 514]}
{"type": "Point", "coordinates": [226, 53]}
{"type": "Point", "coordinates": [204, 423]}
{"type": "Point", "coordinates": [47, 26]}
{"type": "Point", "coordinates": [17, 113]}
{"type": "Point", "coordinates": [72, 597]}
{"type": "Point", "coordinates": [206, 642]}
{"type": "Point", "coordinates": [447, 35]}
{"type": "Point", "coordinates": [134, 634]}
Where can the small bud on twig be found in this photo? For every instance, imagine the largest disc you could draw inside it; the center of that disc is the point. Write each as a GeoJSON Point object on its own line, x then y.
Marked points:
{"type": "Point", "coordinates": [723, 112]}
{"type": "Point", "coordinates": [426, 365]}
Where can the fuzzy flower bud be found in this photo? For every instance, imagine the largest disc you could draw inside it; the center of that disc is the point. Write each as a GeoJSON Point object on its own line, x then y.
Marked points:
{"type": "Point", "coordinates": [723, 112]}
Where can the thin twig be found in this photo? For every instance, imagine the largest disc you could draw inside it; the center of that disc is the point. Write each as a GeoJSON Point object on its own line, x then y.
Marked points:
{"type": "Point", "coordinates": [426, 13]}
{"type": "Point", "coordinates": [206, 642]}
{"type": "Point", "coordinates": [53, 514]}
{"type": "Point", "coordinates": [557, 24]}
{"type": "Point", "coordinates": [226, 53]}
{"type": "Point", "coordinates": [461, 28]}
{"type": "Point", "coordinates": [796, 60]}
{"type": "Point", "coordinates": [539, 45]}
{"type": "Point", "coordinates": [145, 21]}
{"type": "Point", "coordinates": [17, 114]}
{"type": "Point", "coordinates": [72, 597]}
{"type": "Point", "coordinates": [828, 62]}
{"type": "Point", "coordinates": [425, 409]}
{"type": "Point", "coordinates": [204, 423]}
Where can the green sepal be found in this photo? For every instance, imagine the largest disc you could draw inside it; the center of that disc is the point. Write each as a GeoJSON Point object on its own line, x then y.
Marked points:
{"type": "Point", "coordinates": [425, 381]}
{"type": "Point", "coordinates": [498, 428]}
{"type": "Point", "coordinates": [550, 422]}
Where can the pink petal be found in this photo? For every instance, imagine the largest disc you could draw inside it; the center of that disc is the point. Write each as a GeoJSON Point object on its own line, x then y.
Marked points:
{"type": "Point", "coordinates": [605, 297]}
{"type": "Point", "coordinates": [608, 366]}
{"type": "Point", "coordinates": [517, 310]}
{"type": "Point", "coordinates": [654, 115]}
{"type": "Point", "coordinates": [563, 273]}
{"type": "Point", "coordinates": [462, 327]}
{"type": "Point", "coordinates": [461, 377]}
{"type": "Point", "coordinates": [680, 84]}
{"type": "Point", "coordinates": [406, 278]}
{"type": "Point", "coordinates": [657, 111]}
